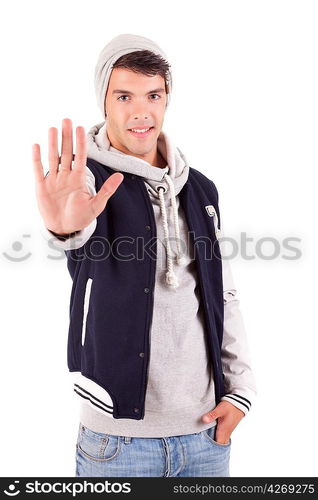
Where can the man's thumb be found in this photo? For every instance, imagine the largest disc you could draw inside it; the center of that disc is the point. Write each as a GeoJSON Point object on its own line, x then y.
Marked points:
{"type": "Point", "coordinates": [106, 191]}
{"type": "Point", "coordinates": [212, 415]}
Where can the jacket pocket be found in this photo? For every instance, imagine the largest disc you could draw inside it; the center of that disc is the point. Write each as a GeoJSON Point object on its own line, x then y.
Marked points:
{"type": "Point", "coordinates": [86, 307]}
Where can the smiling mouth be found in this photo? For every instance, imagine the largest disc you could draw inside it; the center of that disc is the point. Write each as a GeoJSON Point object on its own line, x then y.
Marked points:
{"type": "Point", "coordinates": [145, 132]}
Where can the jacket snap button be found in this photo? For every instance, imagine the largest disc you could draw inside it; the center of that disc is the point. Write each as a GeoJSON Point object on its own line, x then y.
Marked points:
{"type": "Point", "coordinates": [136, 410]}
{"type": "Point", "coordinates": [141, 354]}
{"type": "Point", "coordinates": [146, 290]}
{"type": "Point", "coordinates": [148, 227]}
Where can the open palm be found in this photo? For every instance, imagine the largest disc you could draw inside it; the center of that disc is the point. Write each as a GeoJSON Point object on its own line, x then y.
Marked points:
{"type": "Point", "coordinates": [63, 199]}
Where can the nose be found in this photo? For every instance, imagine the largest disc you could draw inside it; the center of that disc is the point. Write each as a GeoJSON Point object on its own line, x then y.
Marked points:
{"type": "Point", "coordinates": [140, 111]}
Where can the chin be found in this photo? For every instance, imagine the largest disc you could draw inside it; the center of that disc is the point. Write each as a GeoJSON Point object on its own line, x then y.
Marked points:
{"type": "Point", "coordinates": [140, 152]}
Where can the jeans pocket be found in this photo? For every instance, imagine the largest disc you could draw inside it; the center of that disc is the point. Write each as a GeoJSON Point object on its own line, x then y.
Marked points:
{"type": "Point", "coordinates": [97, 446]}
{"type": "Point", "coordinates": [210, 435]}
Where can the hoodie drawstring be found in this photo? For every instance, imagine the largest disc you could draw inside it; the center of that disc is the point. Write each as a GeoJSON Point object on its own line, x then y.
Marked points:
{"type": "Point", "coordinates": [171, 278]}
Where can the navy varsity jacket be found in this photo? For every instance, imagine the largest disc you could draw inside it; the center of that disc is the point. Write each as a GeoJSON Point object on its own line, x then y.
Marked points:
{"type": "Point", "coordinates": [111, 302]}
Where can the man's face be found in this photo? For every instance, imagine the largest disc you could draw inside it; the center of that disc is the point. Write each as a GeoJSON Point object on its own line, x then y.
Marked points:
{"type": "Point", "coordinates": [134, 100]}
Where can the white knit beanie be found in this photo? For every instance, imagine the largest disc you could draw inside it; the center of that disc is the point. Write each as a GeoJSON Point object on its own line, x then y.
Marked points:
{"type": "Point", "coordinates": [118, 46]}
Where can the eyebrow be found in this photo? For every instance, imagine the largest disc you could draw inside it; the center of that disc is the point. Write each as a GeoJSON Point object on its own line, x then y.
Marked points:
{"type": "Point", "coordinates": [120, 91]}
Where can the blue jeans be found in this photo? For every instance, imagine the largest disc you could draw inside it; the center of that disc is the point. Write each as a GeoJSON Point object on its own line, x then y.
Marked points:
{"type": "Point", "coordinates": [188, 455]}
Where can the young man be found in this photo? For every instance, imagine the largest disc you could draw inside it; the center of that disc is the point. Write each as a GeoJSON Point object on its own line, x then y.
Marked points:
{"type": "Point", "coordinates": [156, 340]}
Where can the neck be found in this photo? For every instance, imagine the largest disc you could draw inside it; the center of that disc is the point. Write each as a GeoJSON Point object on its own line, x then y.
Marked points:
{"type": "Point", "coordinates": [160, 161]}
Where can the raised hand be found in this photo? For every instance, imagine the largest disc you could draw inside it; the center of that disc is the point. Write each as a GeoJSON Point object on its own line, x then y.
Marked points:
{"type": "Point", "coordinates": [62, 196]}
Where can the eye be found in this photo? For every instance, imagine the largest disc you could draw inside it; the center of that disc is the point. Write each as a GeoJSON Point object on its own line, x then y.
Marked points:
{"type": "Point", "coordinates": [120, 98]}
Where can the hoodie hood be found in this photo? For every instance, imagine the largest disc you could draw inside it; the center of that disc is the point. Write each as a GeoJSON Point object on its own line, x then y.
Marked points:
{"type": "Point", "coordinates": [163, 184]}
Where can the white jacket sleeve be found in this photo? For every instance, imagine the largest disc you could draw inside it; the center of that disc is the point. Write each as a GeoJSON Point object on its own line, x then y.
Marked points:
{"type": "Point", "coordinates": [78, 239]}
{"type": "Point", "coordinates": [240, 383]}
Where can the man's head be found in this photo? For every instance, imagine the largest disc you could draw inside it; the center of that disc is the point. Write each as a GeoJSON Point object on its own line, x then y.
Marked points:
{"type": "Point", "coordinates": [136, 98]}
{"type": "Point", "coordinates": [133, 84]}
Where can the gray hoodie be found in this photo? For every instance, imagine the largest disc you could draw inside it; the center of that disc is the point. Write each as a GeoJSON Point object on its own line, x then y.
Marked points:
{"type": "Point", "coordinates": [178, 322]}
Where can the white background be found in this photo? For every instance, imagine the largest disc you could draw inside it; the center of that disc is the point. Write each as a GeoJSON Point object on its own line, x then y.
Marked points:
{"type": "Point", "coordinates": [244, 111]}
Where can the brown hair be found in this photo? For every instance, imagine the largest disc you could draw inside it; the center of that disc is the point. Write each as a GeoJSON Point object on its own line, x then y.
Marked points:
{"type": "Point", "coordinates": [145, 62]}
